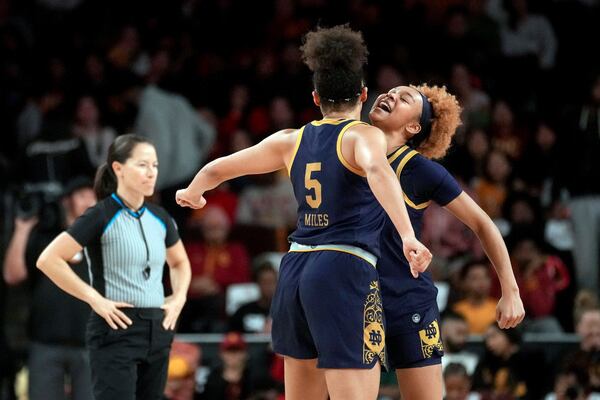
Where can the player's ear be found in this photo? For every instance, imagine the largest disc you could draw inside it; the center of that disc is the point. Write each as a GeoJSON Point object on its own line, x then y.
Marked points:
{"type": "Point", "coordinates": [316, 98]}
{"type": "Point", "coordinates": [364, 93]}
{"type": "Point", "coordinates": [413, 127]}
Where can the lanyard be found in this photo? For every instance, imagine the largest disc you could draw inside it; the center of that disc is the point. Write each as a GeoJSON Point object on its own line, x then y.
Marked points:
{"type": "Point", "coordinates": [138, 216]}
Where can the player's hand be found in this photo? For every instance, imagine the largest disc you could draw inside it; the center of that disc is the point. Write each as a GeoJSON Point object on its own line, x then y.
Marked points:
{"type": "Point", "coordinates": [109, 310]}
{"type": "Point", "coordinates": [417, 254]}
{"type": "Point", "coordinates": [185, 198]}
{"type": "Point", "coordinates": [509, 311]}
{"type": "Point", "coordinates": [172, 306]}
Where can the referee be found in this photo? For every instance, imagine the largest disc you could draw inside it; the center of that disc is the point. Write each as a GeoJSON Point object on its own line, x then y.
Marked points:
{"type": "Point", "coordinates": [126, 242]}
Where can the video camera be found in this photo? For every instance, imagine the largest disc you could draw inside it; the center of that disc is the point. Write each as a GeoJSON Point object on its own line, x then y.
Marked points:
{"type": "Point", "coordinates": [41, 200]}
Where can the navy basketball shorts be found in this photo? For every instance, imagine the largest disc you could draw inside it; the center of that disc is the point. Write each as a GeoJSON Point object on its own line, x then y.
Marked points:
{"type": "Point", "coordinates": [413, 339]}
{"type": "Point", "coordinates": [327, 306]}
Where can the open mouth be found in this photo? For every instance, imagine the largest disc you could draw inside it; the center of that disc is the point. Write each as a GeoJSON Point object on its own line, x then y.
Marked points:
{"type": "Point", "coordinates": [385, 106]}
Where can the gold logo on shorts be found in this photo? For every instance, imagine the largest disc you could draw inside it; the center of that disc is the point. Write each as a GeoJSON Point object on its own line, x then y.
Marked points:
{"type": "Point", "coordinates": [374, 334]}
{"type": "Point", "coordinates": [430, 339]}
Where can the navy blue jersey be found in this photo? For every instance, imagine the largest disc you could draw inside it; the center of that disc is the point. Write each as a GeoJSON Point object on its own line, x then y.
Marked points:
{"type": "Point", "coordinates": [422, 181]}
{"type": "Point", "coordinates": [335, 203]}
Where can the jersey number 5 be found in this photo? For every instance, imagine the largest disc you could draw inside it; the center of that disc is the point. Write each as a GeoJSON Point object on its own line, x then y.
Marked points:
{"type": "Point", "coordinates": [310, 183]}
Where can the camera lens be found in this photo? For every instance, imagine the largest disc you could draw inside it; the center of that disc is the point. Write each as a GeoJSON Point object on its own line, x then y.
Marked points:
{"type": "Point", "coordinates": [28, 206]}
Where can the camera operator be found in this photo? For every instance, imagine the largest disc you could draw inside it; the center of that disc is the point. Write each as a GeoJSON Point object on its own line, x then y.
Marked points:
{"type": "Point", "coordinates": [57, 321]}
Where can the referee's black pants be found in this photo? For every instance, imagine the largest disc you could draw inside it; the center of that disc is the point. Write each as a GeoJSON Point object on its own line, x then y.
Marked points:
{"type": "Point", "coordinates": [132, 363]}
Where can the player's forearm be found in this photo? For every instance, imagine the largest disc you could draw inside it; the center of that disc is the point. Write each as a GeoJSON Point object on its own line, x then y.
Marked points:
{"type": "Point", "coordinates": [209, 177]}
{"type": "Point", "coordinates": [59, 272]}
{"type": "Point", "coordinates": [261, 158]}
{"type": "Point", "coordinates": [495, 248]}
{"type": "Point", "coordinates": [386, 188]}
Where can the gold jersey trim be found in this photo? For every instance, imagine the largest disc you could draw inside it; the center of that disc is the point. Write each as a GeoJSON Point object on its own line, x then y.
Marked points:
{"type": "Point", "coordinates": [296, 147]}
{"type": "Point", "coordinates": [339, 149]}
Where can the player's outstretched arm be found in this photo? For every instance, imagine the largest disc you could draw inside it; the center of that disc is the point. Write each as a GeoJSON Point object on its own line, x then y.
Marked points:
{"type": "Point", "coordinates": [271, 154]}
{"type": "Point", "coordinates": [510, 311]}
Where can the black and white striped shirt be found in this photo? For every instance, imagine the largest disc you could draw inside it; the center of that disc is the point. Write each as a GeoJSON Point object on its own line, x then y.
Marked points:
{"type": "Point", "coordinates": [126, 250]}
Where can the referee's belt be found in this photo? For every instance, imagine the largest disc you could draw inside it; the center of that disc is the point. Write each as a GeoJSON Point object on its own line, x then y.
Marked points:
{"type": "Point", "coordinates": [344, 248]}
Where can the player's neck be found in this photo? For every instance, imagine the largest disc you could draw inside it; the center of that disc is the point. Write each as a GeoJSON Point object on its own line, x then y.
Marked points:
{"type": "Point", "coordinates": [346, 114]}
{"type": "Point", "coordinates": [395, 140]}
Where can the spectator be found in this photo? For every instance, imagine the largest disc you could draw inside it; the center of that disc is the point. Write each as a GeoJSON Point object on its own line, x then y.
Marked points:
{"type": "Point", "coordinates": [454, 44]}
{"type": "Point", "coordinates": [568, 386]}
{"type": "Point", "coordinates": [586, 359]}
{"type": "Point", "coordinates": [216, 263]}
{"type": "Point", "coordinates": [57, 320]}
{"type": "Point", "coordinates": [181, 376]}
{"type": "Point", "coordinates": [584, 300]}
{"type": "Point", "coordinates": [222, 197]}
{"type": "Point", "coordinates": [226, 195]}
{"type": "Point", "coordinates": [474, 101]}
{"type": "Point", "coordinates": [270, 203]}
{"type": "Point", "coordinates": [447, 237]}
{"type": "Point", "coordinates": [253, 317]}
{"type": "Point", "coordinates": [127, 53]}
{"type": "Point", "coordinates": [233, 120]}
{"type": "Point", "coordinates": [522, 214]}
{"type": "Point", "coordinates": [458, 383]}
{"type": "Point", "coordinates": [93, 79]}
{"type": "Point", "coordinates": [508, 372]}
{"type": "Point", "coordinates": [455, 333]}
{"type": "Point", "coordinates": [581, 177]}
{"type": "Point", "coordinates": [478, 308]}
{"type": "Point", "coordinates": [484, 31]}
{"type": "Point", "coordinates": [493, 188]}
{"type": "Point", "coordinates": [469, 160]}
{"type": "Point", "coordinates": [541, 276]}
{"type": "Point", "coordinates": [528, 34]}
{"type": "Point", "coordinates": [281, 114]}
{"type": "Point", "coordinates": [97, 139]}
{"type": "Point", "coordinates": [529, 47]}
{"type": "Point", "coordinates": [43, 110]}
{"type": "Point", "coordinates": [541, 167]}
{"type": "Point", "coordinates": [506, 135]}
{"type": "Point", "coordinates": [181, 135]}
{"type": "Point", "coordinates": [231, 380]}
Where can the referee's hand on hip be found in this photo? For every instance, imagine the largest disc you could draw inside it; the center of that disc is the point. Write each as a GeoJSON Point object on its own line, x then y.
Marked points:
{"type": "Point", "coordinates": [109, 310]}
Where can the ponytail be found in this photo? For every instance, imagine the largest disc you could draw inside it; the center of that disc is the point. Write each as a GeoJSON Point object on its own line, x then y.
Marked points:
{"type": "Point", "coordinates": [105, 182]}
{"type": "Point", "coordinates": [120, 150]}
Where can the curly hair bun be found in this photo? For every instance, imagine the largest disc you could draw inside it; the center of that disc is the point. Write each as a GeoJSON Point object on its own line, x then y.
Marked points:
{"type": "Point", "coordinates": [334, 48]}
{"type": "Point", "coordinates": [336, 57]}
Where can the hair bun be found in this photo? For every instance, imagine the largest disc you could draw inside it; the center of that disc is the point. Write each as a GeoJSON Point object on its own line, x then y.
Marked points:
{"type": "Point", "coordinates": [334, 48]}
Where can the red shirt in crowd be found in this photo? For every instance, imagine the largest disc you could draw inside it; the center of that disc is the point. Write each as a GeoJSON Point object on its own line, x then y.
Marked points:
{"type": "Point", "coordinates": [225, 264]}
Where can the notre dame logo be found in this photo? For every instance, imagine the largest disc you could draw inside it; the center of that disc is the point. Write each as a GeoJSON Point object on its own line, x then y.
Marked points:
{"type": "Point", "coordinates": [374, 337]}
{"type": "Point", "coordinates": [374, 334]}
{"type": "Point", "coordinates": [430, 339]}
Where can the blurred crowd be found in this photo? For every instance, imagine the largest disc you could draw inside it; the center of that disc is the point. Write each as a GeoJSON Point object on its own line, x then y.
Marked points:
{"type": "Point", "coordinates": [203, 79]}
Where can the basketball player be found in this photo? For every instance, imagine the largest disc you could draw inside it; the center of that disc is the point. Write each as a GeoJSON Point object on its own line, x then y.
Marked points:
{"type": "Point", "coordinates": [419, 123]}
{"type": "Point", "coordinates": [327, 315]}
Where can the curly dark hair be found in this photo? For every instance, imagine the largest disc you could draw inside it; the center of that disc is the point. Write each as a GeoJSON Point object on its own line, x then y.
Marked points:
{"type": "Point", "coordinates": [336, 57]}
{"type": "Point", "coordinates": [447, 118]}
